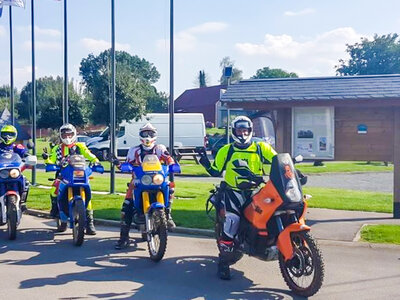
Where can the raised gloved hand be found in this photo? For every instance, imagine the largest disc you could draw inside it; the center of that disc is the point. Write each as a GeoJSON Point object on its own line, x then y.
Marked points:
{"type": "Point", "coordinates": [45, 154]}
{"type": "Point", "coordinates": [113, 159]}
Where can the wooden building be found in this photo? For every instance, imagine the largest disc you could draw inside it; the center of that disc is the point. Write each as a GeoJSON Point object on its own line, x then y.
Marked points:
{"type": "Point", "coordinates": [330, 118]}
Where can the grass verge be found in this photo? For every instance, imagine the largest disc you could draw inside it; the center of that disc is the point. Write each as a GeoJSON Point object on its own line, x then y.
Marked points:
{"type": "Point", "coordinates": [387, 234]}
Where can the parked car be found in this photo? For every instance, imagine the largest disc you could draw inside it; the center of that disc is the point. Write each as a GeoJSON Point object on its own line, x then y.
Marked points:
{"type": "Point", "coordinates": [82, 138]}
{"type": "Point", "coordinates": [189, 134]}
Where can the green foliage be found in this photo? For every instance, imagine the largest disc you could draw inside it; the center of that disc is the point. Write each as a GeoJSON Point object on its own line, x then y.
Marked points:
{"type": "Point", "coordinates": [379, 56]}
{"type": "Point", "coordinates": [157, 102]}
{"type": "Point", "coordinates": [266, 72]}
{"type": "Point", "coordinates": [49, 93]}
{"type": "Point", "coordinates": [134, 79]}
{"type": "Point", "coordinates": [236, 73]}
{"type": "Point", "coordinates": [5, 98]}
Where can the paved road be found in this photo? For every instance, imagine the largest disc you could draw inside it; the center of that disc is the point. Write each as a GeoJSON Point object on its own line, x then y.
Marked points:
{"type": "Point", "coordinates": [42, 264]}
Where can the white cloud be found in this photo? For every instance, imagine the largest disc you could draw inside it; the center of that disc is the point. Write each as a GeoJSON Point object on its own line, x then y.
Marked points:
{"type": "Point", "coordinates": [41, 32]}
{"type": "Point", "coordinates": [97, 46]}
{"type": "Point", "coordinates": [311, 57]}
{"type": "Point", "coordinates": [43, 46]}
{"type": "Point", "coordinates": [2, 31]}
{"type": "Point", "coordinates": [306, 11]}
{"type": "Point", "coordinates": [187, 40]}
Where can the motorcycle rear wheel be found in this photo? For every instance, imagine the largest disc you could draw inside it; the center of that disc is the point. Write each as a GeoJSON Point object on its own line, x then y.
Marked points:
{"type": "Point", "coordinates": [12, 217]}
{"type": "Point", "coordinates": [304, 273]}
{"type": "Point", "coordinates": [78, 229]}
{"type": "Point", "coordinates": [157, 239]}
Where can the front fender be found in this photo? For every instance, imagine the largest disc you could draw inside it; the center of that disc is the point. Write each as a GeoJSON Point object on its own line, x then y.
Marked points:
{"type": "Point", "coordinates": [156, 205]}
{"type": "Point", "coordinates": [284, 242]}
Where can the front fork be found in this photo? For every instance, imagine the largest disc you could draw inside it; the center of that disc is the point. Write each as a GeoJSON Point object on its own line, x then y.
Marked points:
{"type": "Point", "coordinates": [71, 202]}
{"type": "Point", "coordinates": [4, 199]}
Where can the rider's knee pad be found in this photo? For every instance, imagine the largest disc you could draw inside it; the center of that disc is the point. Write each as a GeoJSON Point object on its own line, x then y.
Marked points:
{"type": "Point", "coordinates": [231, 224]}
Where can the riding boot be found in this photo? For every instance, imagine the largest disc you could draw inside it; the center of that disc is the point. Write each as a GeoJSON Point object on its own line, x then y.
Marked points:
{"type": "Point", "coordinates": [54, 208]}
{"type": "Point", "coordinates": [90, 230]}
{"type": "Point", "coordinates": [170, 222]}
{"type": "Point", "coordinates": [123, 241]}
{"type": "Point", "coordinates": [224, 271]}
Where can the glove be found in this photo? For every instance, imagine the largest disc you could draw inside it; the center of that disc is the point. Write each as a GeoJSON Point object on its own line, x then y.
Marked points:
{"type": "Point", "coordinates": [113, 159]}
{"type": "Point", "coordinates": [205, 162]}
{"type": "Point", "coordinates": [202, 151]}
{"type": "Point", "coordinates": [45, 154]}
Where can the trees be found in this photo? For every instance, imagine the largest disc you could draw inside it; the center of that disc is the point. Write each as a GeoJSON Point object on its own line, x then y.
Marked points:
{"type": "Point", "coordinates": [5, 97]}
{"type": "Point", "coordinates": [236, 73]}
{"type": "Point", "coordinates": [266, 72]}
{"type": "Point", "coordinates": [134, 79]}
{"type": "Point", "coordinates": [379, 56]}
{"type": "Point", "coordinates": [49, 103]}
{"type": "Point", "coordinates": [157, 103]}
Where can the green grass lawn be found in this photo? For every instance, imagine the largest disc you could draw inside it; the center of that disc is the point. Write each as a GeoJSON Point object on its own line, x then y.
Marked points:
{"type": "Point", "coordinates": [387, 234]}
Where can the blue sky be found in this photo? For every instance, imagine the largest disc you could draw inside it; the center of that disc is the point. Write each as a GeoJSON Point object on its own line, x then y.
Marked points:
{"type": "Point", "coordinates": [306, 37]}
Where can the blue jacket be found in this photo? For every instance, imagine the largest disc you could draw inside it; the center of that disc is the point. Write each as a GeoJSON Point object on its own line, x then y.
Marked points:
{"type": "Point", "coordinates": [16, 148]}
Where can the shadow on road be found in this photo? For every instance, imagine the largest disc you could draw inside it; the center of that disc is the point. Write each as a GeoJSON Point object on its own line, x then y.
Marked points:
{"type": "Point", "coordinates": [185, 277]}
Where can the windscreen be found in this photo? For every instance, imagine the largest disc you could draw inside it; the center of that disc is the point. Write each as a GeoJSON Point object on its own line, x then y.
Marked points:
{"type": "Point", "coordinates": [9, 159]}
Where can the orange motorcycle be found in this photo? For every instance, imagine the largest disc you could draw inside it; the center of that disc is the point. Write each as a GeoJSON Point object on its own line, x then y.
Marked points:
{"type": "Point", "coordinates": [272, 225]}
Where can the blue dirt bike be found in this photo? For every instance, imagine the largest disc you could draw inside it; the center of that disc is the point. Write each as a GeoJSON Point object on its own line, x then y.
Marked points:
{"type": "Point", "coordinates": [74, 194]}
{"type": "Point", "coordinates": [13, 187]}
{"type": "Point", "coordinates": [152, 196]}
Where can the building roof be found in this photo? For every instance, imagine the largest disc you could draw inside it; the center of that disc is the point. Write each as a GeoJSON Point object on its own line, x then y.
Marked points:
{"type": "Point", "coordinates": [316, 88]}
{"type": "Point", "coordinates": [6, 119]}
{"type": "Point", "coordinates": [200, 96]}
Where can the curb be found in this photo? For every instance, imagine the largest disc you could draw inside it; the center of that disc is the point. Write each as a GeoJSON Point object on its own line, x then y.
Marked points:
{"type": "Point", "coordinates": [210, 233]}
{"type": "Point", "coordinates": [112, 223]}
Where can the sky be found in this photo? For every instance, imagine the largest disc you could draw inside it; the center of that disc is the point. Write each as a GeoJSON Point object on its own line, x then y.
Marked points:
{"type": "Point", "coordinates": [303, 36]}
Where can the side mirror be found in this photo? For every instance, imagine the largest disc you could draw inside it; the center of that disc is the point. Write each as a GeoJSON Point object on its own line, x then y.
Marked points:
{"type": "Point", "coordinates": [52, 168]}
{"type": "Point", "coordinates": [30, 145]}
{"type": "Point", "coordinates": [126, 168]}
{"type": "Point", "coordinates": [31, 160]}
{"type": "Point", "coordinates": [98, 169]}
{"type": "Point", "coordinates": [299, 158]}
{"type": "Point", "coordinates": [174, 168]}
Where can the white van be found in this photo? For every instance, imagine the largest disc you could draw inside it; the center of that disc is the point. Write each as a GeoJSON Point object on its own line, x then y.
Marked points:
{"type": "Point", "coordinates": [189, 133]}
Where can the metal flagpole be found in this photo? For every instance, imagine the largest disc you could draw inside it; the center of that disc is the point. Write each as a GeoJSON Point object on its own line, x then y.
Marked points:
{"type": "Point", "coordinates": [65, 99]}
{"type": "Point", "coordinates": [112, 102]}
{"type": "Point", "coordinates": [11, 70]}
{"type": "Point", "coordinates": [33, 88]}
{"type": "Point", "coordinates": [171, 85]}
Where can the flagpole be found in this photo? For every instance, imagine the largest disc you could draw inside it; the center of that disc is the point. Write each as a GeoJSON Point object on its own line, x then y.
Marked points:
{"type": "Point", "coordinates": [65, 99]}
{"type": "Point", "coordinates": [11, 69]}
{"type": "Point", "coordinates": [171, 85]}
{"type": "Point", "coordinates": [33, 88]}
{"type": "Point", "coordinates": [112, 102]}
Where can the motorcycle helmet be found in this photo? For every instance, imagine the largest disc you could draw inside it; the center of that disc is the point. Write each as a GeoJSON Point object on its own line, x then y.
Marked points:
{"type": "Point", "coordinates": [8, 134]}
{"type": "Point", "coordinates": [68, 134]}
{"type": "Point", "coordinates": [242, 130]}
{"type": "Point", "coordinates": [148, 136]}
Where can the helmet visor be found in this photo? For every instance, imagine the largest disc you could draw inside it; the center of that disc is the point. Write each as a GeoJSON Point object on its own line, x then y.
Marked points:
{"type": "Point", "coordinates": [67, 134]}
{"type": "Point", "coordinates": [242, 124]}
{"type": "Point", "coordinates": [147, 133]}
{"type": "Point", "coordinates": [8, 136]}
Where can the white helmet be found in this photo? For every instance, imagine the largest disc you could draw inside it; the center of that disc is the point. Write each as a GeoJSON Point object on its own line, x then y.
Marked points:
{"type": "Point", "coordinates": [242, 122]}
{"type": "Point", "coordinates": [68, 134]}
{"type": "Point", "coordinates": [148, 136]}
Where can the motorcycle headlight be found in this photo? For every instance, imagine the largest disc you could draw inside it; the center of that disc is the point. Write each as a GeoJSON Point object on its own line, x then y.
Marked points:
{"type": "Point", "coordinates": [14, 173]}
{"type": "Point", "coordinates": [147, 180]}
{"type": "Point", "coordinates": [158, 179]}
{"type": "Point", "coordinates": [4, 174]}
{"type": "Point", "coordinates": [79, 173]}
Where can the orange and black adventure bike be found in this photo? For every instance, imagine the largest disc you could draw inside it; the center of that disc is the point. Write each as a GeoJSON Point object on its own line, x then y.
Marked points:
{"type": "Point", "coordinates": [272, 225]}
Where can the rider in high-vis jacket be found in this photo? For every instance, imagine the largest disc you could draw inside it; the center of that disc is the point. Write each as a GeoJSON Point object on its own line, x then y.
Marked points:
{"type": "Point", "coordinates": [255, 154]}
{"type": "Point", "coordinates": [58, 156]}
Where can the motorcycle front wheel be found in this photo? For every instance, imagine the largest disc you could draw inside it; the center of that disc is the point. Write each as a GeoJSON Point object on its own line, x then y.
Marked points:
{"type": "Point", "coordinates": [157, 239]}
{"type": "Point", "coordinates": [304, 273]}
{"type": "Point", "coordinates": [12, 217]}
{"type": "Point", "coordinates": [78, 228]}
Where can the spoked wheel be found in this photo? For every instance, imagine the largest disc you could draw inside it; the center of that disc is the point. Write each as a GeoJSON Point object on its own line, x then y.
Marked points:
{"type": "Point", "coordinates": [304, 273]}
{"type": "Point", "coordinates": [61, 226]}
{"type": "Point", "coordinates": [12, 217]}
{"type": "Point", "coordinates": [157, 239]}
{"type": "Point", "coordinates": [78, 229]}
